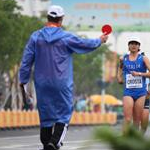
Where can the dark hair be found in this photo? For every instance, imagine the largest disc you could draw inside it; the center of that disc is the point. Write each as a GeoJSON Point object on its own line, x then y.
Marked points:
{"type": "Point", "coordinates": [52, 19]}
{"type": "Point", "coordinates": [130, 42]}
{"type": "Point", "coordinates": [143, 53]}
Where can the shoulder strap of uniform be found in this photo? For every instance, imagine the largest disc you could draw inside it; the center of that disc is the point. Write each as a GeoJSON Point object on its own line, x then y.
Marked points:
{"type": "Point", "coordinates": [125, 57]}
{"type": "Point", "coordinates": [141, 56]}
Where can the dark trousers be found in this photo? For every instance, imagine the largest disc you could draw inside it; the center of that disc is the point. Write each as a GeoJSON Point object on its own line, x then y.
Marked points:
{"type": "Point", "coordinates": [54, 135]}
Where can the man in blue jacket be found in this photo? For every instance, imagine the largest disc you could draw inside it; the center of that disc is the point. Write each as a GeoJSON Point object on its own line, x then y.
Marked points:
{"type": "Point", "coordinates": [50, 49]}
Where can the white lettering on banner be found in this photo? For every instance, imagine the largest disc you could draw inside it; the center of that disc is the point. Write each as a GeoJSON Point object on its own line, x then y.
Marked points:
{"type": "Point", "coordinates": [133, 81]}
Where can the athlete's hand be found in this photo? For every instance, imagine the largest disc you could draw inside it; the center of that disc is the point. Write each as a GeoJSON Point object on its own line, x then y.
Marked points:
{"type": "Point", "coordinates": [104, 38]}
{"type": "Point", "coordinates": [134, 73]}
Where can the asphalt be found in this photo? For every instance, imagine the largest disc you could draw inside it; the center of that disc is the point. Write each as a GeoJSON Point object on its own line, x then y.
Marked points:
{"type": "Point", "coordinates": [28, 139]}
{"type": "Point", "coordinates": [77, 138]}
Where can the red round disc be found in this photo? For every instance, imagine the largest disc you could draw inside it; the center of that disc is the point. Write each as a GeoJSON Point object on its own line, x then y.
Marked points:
{"type": "Point", "coordinates": [107, 29]}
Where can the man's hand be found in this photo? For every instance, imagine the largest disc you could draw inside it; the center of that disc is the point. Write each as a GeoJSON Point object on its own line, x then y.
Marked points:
{"type": "Point", "coordinates": [104, 38]}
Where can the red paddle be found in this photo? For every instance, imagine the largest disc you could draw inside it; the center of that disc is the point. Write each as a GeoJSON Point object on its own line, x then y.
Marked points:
{"type": "Point", "coordinates": [107, 29]}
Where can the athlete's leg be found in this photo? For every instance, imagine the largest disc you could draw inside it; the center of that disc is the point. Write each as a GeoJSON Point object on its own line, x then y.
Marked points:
{"type": "Point", "coordinates": [145, 116]}
{"type": "Point", "coordinates": [128, 103]}
{"type": "Point", "coordinates": [145, 120]}
{"type": "Point", "coordinates": [138, 110]}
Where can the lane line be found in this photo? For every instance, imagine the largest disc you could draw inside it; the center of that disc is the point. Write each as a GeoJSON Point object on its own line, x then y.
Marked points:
{"type": "Point", "coordinates": [18, 137]}
{"type": "Point", "coordinates": [37, 144]}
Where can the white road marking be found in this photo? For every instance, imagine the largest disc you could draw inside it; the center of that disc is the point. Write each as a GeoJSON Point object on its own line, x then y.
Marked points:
{"type": "Point", "coordinates": [18, 137]}
{"type": "Point", "coordinates": [37, 144]}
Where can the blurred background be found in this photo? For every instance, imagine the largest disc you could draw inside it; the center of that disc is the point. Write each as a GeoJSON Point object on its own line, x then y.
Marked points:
{"type": "Point", "coordinates": [96, 89]}
{"type": "Point", "coordinates": [97, 95]}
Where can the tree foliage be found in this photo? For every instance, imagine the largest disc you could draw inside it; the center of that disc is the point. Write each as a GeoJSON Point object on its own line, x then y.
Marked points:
{"type": "Point", "coordinates": [87, 70]}
{"type": "Point", "coordinates": [132, 140]}
{"type": "Point", "coordinates": [14, 32]}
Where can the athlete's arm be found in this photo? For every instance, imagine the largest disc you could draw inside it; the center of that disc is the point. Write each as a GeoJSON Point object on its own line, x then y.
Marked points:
{"type": "Point", "coordinates": [143, 74]}
{"type": "Point", "coordinates": [147, 63]}
{"type": "Point", "coordinates": [120, 75]}
{"type": "Point", "coordinates": [120, 71]}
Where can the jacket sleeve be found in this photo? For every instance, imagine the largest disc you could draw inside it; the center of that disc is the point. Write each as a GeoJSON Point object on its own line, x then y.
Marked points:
{"type": "Point", "coordinates": [82, 45]}
{"type": "Point", "coordinates": [27, 61]}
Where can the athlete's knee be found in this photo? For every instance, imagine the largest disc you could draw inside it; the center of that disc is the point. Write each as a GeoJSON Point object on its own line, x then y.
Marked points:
{"type": "Point", "coordinates": [128, 119]}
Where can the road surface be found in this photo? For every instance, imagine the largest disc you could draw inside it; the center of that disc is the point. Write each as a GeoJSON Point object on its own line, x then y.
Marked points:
{"type": "Point", "coordinates": [78, 138]}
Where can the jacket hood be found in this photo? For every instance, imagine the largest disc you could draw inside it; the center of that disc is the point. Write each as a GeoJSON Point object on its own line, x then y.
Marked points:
{"type": "Point", "coordinates": [52, 34]}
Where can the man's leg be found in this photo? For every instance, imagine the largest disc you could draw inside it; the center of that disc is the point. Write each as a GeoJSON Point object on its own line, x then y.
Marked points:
{"type": "Point", "coordinates": [58, 135]}
{"type": "Point", "coordinates": [45, 135]}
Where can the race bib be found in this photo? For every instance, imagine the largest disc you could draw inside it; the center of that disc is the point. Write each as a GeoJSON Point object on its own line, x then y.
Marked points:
{"type": "Point", "coordinates": [133, 81]}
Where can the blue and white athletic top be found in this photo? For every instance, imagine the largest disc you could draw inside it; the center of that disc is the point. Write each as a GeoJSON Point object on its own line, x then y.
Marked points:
{"type": "Point", "coordinates": [134, 84]}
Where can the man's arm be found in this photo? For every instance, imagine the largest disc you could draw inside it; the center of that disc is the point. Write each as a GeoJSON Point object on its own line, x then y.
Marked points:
{"type": "Point", "coordinates": [84, 45]}
{"type": "Point", "coordinates": [27, 62]}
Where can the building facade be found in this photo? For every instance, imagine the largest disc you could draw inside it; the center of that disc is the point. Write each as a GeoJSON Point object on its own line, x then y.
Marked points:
{"type": "Point", "coordinates": [33, 7]}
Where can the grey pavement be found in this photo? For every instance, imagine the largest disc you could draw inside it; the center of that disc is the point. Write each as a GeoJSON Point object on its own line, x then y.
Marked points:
{"type": "Point", "coordinates": [78, 138]}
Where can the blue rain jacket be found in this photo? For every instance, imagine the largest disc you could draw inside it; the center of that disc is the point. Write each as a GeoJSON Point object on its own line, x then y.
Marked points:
{"type": "Point", "coordinates": [50, 49]}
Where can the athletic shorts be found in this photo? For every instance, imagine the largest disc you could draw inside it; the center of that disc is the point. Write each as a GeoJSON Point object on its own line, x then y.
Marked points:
{"type": "Point", "coordinates": [136, 96]}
